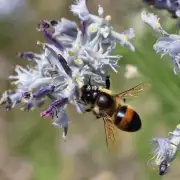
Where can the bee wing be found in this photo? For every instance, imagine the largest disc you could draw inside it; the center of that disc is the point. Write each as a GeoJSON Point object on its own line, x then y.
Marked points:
{"type": "Point", "coordinates": [110, 131]}
{"type": "Point", "coordinates": [133, 92]}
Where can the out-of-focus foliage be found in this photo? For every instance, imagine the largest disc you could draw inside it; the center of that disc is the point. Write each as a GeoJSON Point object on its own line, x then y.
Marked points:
{"type": "Point", "coordinates": [37, 145]}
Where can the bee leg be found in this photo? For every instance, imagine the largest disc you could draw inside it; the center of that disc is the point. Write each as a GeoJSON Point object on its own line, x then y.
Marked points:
{"type": "Point", "coordinates": [88, 110]}
{"type": "Point", "coordinates": [124, 100]}
{"type": "Point", "coordinates": [174, 16]}
{"type": "Point", "coordinates": [81, 102]}
{"type": "Point", "coordinates": [65, 131]}
{"type": "Point", "coordinates": [97, 117]}
{"type": "Point", "coordinates": [108, 83]}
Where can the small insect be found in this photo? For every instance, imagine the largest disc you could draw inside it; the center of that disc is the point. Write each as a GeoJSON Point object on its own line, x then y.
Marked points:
{"type": "Point", "coordinates": [111, 107]}
{"type": "Point", "coordinates": [163, 168]}
{"type": "Point", "coordinates": [164, 151]}
{"type": "Point", "coordinates": [27, 95]}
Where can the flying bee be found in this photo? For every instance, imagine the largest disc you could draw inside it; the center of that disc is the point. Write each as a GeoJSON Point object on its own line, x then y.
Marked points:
{"type": "Point", "coordinates": [111, 107]}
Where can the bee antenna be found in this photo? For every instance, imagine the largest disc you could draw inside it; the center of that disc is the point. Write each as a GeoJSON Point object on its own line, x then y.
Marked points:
{"type": "Point", "coordinates": [90, 80]}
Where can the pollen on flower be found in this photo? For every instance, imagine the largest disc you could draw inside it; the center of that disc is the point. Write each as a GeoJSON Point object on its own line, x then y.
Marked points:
{"type": "Point", "coordinates": [77, 46]}
{"type": "Point", "coordinates": [13, 83]}
{"type": "Point", "coordinates": [10, 90]}
{"type": "Point", "coordinates": [131, 71]}
{"type": "Point", "coordinates": [158, 25]}
{"type": "Point", "coordinates": [78, 61]}
{"type": "Point", "coordinates": [126, 38]}
{"type": "Point", "coordinates": [99, 20]}
{"type": "Point", "coordinates": [39, 43]}
{"type": "Point", "coordinates": [79, 82]}
{"type": "Point", "coordinates": [93, 28]}
{"type": "Point", "coordinates": [178, 126]}
{"type": "Point", "coordinates": [73, 76]}
{"type": "Point", "coordinates": [18, 66]}
{"type": "Point", "coordinates": [33, 108]}
{"type": "Point", "coordinates": [23, 101]}
{"type": "Point", "coordinates": [30, 90]}
{"type": "Point", "coordinates": [70, 87]}
{"type": "Point", "coordinates": [22, 109]}
{"type": "Point", "coordinates": [108, 18]}
{"type": "Point", "coordinates": [70, 53]}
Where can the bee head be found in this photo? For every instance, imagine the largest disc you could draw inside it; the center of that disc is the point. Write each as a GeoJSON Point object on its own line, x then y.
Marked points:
{"type": "Point", "coordinates": [89, 92]}
{"type": "Point", "coordinates": [86, 91]}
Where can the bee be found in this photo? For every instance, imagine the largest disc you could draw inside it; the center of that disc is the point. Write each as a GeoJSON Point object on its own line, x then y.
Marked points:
{"type": "Point", "coordinates": [112, 108]}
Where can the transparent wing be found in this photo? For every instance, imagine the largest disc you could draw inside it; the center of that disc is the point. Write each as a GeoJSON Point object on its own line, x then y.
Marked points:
{"type": "Point", "coordinates": [110, 132]}
{"type": "Point", "coordinates": [133, 92]}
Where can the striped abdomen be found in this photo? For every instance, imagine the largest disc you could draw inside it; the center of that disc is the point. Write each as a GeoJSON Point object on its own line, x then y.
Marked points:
{"type": "Point", "coordinates": [127, 119]}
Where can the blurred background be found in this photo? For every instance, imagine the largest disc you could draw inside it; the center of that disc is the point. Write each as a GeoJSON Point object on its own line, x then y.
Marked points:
{"type": "Point", "coordinates": [32, 149]}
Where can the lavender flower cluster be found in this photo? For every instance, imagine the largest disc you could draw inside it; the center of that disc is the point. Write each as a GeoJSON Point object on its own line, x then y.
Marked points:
{"type": "Point", "coordinates": [167, 44]}
{"type": "Point", "coordinates": [165, 150]}
{"type": "Point", "coordinates": [66, 61]}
